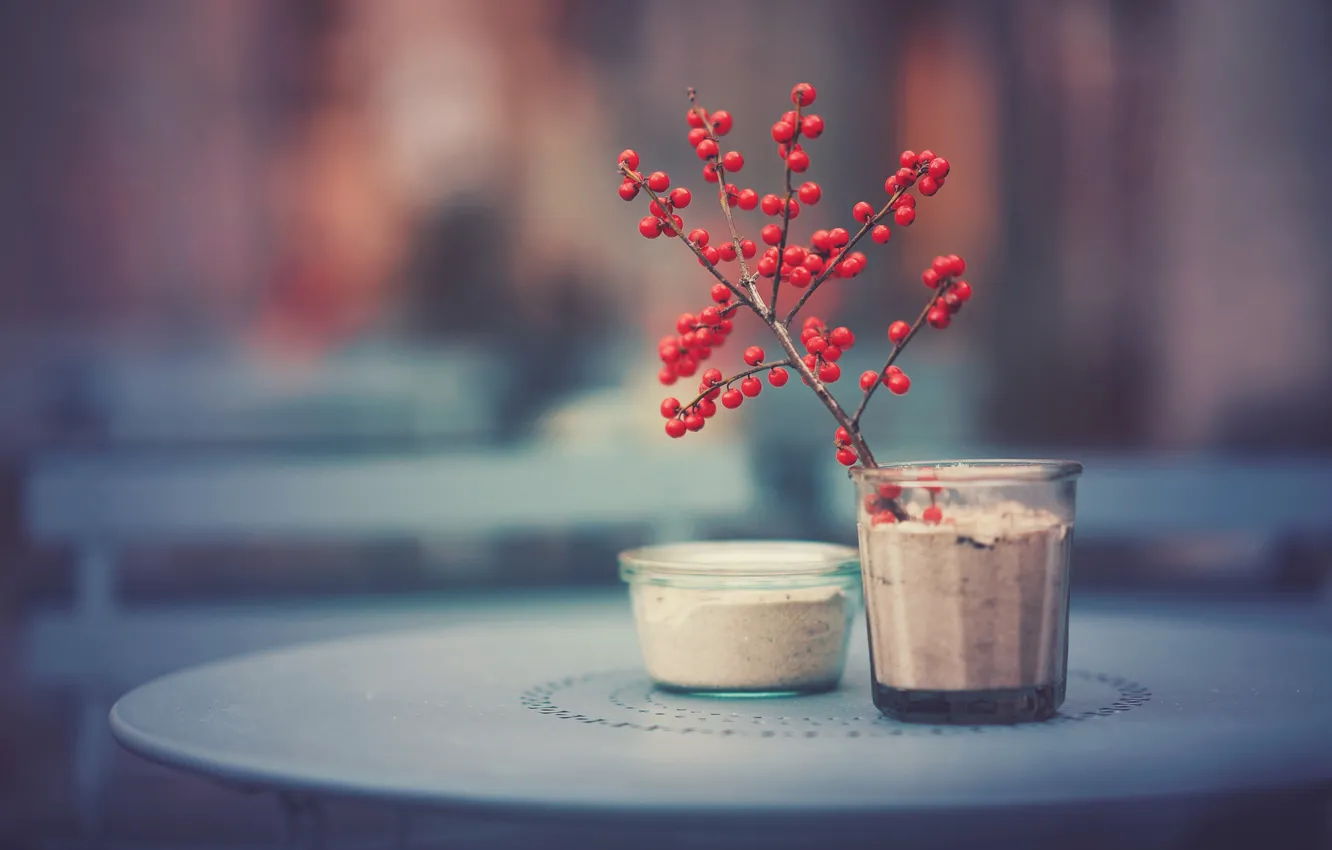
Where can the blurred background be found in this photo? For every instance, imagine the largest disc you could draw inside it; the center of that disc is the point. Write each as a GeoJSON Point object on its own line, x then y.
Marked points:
{"type": "Point", "coordinates": [323, 316]}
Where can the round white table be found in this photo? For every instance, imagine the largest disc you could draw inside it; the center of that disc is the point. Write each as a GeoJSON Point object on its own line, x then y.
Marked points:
{"type": "Point", "coordinates": [1173, 724]}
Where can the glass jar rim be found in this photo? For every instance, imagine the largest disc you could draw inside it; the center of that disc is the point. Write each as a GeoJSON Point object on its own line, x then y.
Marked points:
{"type": "Point", "coordinates": [978, 472]}
{"type": "Point", "coordinates": [741, 559]}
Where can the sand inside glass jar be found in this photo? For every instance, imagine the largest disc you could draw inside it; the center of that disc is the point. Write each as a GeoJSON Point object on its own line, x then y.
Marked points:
{"type": "Point", "coordinates": [979, 603]}
{"type": "Point", "coordinates": [732, 632]}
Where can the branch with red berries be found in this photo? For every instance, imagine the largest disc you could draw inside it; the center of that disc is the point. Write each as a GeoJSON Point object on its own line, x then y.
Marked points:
{"type": "Point", "coordinates": [804, 267]}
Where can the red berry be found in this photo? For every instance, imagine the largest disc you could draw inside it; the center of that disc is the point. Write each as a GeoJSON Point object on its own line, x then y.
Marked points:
{"type": "Point", "coordinates": [932, 515]}
{"type": "Point", "coordinates": [681, 197]}
{"type": "Point", "coordinates": [707, 406]}
{"type": "Point", "coordinates": [778, 377]}
{"type": "Point", "coordinates": [928, 185]}
{"type": "Point", "coordinates": [792, 209]}
{"type": "Point", "coordinates": [751, 386]}
{"type": "Point", "coordinates": [862, 212]}
{"type": "Point", "coordinates": [942, 266]}
{"type": "Point", "coordinates": [881, 233]}
{"type": "Point", "coordinates": [898, 331]}
{"type": "Point", "coordinates": [868, 379]}
{"type": "Point", "coordinates": [753, 355]}
{"type": "Point", "coordinates": [882, 518]}
{"type": "Point", "coordinates": [670, 407]}
{"type": "Point", "coordinates": [694, 422]}
{"type": "Point", "coordinates": [890, 491]}
{"type": "Point", "coordinates": [897, 382]}
{"type": "Point", "coordinates": [892, 185]}
{"type": "Point", "coordinates": [698, 236]}
{"type": "Point", "coordinates": [841, 437]}
{"type": "Point", "coordinates": [927, 474]}
{"type": "Point", "coordinates": [721, 122]}
{"type": "Point", "coordinates": [952, 302]}
{"type": "Point", "coordinates": [797, 161]}
{"type": "Point", "coordinates": [846, 457]}
{"type": "Point", "coordinates": [671, 229]}
{"type": "Point", "coordinates": [905, 177]}
{"type": "Point", "coordinates": [803, 94]}
{"type": "Point", "coordinates": [811, 126]}
{"type": "Point", "coordinates": [686, 367]}
{"type": "Point", "coordinates": [658, 181]}
{"type": "Point", "coordinates": [696, 136]}
{"type": "Point", "coordinates": [939, 168]}
{"type": "Point", "coordinates": [666, 376]}
{"type": "Point", "coordinates": [800, 277]}
{"type": "Point", "coordinates": [669, 352]}
{"type": "Point", "coordinates": [710, 173]}
{"type": "Point", "coordinates": [806, 334]}
{"type": "Point", "coordinates": [628, 190]}
{"type": "Point", "coordinates": [908, 159]}
{"type": "Point", "coordinates": [812, 322]}
{"type": "Point", "coordinates": [930, 278]}
{"type": "Point", "coordinates": [905, 201]}
{"type": "Point", "coordinates": [684, 323]}
{"type": "Point", "coordinates": [675, 428]}
{"type": "Point", "coordinates": [710, 316]}
{"type": "Point", "coordinates": [733, 161]}
{"type": "Point", "coordinates": [837, 237]}
{"type": "Point", "coordinates": [962, 290]}
{"type": "Point", "coordinates": [696, 118]}
{"type": "Point", "coordinates": [731, 399]}
{"type": "Point", "coordinates": [706, 149]}
{"type": "Point", "coordinates": [767, 267]}
{"type": "Point", "coordinates": [748, 199]}
{"type": "Point", "coordinates": [956, 265]}
{"type": "Point", "coordinates": [850, 267]}
{"type": "Point", "coordinates": [904, 216]}
{"type": "Point", "coordinates": [816, 343]}
{"type": "Point", "coordinates": [771, 234]}
{"type": "Point", "coordinates": [809, 193]}
{"type": "Point", "coordinates": [938, 317]}
{"type": "Point", "coordinates": [782, 131]}
{"type": "Point", "coordinates": [629, 158]}
{"type": "Point", "coordinates": [842, 337]}
{"type": "Point", "coordinates": [657, 209]}
{"type": "Point", "coordinates": [711, 377]}
{"type": "Point", "coordinates": [819, 240]}
{"type": "Point", "coordinates": [829, 373]}
{"type": "Point", "coordinates": [649, 227]}
{"type": "Point", "coordinates": [771, 205]}
{"type": "Point", "coordinates": [721, 293]}
{"type": "Point", "coordinates": [925, 156]}
{"type": "Point", "coordinates": [832, 353]}
{"type": "Point", "coordinates": [748, 248]}
{"type": "Point", "coordinates": [813, 263]}
{"type": "Point", "coordinates": [794, 255]}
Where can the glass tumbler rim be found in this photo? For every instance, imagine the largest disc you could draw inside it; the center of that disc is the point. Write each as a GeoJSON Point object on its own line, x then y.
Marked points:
{"type": "Point", "coordinates": [791, 560]}
{"type": "Point", "coordinates": [976, 472]}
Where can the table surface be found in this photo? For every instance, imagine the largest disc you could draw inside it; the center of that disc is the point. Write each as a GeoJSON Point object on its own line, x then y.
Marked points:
{"type": "Point", "coordinates": [551, 715]}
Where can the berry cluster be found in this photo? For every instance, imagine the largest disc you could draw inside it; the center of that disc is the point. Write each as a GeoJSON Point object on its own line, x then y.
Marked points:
{"type": "Point", "coordinates": [824, 348]}
{"type": "Point", "coordinates": [883, 508]}
{"type": "Point", "coordinates": [803, 265]}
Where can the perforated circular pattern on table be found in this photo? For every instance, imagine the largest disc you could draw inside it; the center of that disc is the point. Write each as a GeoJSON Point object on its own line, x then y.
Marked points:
{"type": "Point", "coordinates": [625, 699]}
{"type": "Point", "coordinates": [542, 711]}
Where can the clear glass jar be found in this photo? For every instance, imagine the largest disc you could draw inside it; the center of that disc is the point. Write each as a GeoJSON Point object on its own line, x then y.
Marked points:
{"type": "Point", "coordinates": [743, 618]}
{"type": "Point", "coordinates": [965, 567]}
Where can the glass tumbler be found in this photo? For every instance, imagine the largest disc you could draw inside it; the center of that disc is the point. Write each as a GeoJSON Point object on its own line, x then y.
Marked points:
{"type": "Point", "coordinates": [965, 567]}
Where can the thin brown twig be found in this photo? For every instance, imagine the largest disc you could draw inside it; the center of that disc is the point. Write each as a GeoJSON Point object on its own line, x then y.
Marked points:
{"type": "Point", "coordinates": [820, 390]}
{"type": "Point", "coordinates": [786, 213]}
{"type": "Point", "coordinates": [898, 348]}
{"type": "Point", "coordinates": [754, 370]}
{"type": "Point", "coordinates": [637, 178]}
{"type": "Point", "coordinates": [746, 277]}
{"type": "Point", "coordinates": [845, 252]}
